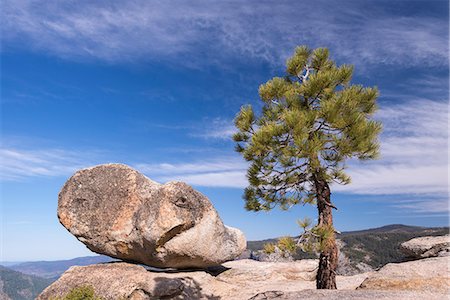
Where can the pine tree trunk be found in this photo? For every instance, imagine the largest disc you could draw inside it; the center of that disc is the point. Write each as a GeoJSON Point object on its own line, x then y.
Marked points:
{"type": "Point", "coordinates": [326, 275]}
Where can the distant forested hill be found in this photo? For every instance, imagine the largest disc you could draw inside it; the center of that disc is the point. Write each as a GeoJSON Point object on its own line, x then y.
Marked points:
{"type": "Point", "coordinates": [375, 247]}
{"type": "Point", "coordinates": [18, 286]}
{"type": "Point", "coordinates": [54, 269]}
{"type": "Point", "coordinates": [380, 246]}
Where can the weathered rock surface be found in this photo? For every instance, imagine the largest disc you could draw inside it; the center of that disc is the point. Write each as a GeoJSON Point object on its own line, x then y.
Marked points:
{"type": "Point", "coordinates": [429, 246]}
{"type": "Point", "coordinates": [117, 211]}
{"type": "Point", "coordinates": [426, 275]}
{"type": "Point", "coordinates": [348, 294]}
{"type": "Point", "coordinates": [248, 279]}
{"type": "Point", "coordinates": [238, 280]}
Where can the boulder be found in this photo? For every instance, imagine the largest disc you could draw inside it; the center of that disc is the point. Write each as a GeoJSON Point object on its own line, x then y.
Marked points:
{"type": "Point", "coordinates": [113, 281]}
{"type": "Point", "coordinates": [427, 275]}
{"type": "Point", "coordinates": [117, 211]}
{"type": "Point", "coordinates": [428, 246]}
{"type": "Point", "coordinates": [240, 279]}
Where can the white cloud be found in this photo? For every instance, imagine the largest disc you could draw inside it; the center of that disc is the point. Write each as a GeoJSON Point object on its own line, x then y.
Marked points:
{"type": "Point", "coordinates": [197, 31]}
{"type": "Point", "coordinates": [17, 164]}
{"type": "Point", "coordinates": [434, 206]}
{"type": "Point", "coordinates": [222, 172]}
{"type": "Point", "coordinates": [219, 179]}
{"type": "Point", "coordinates": [223, 164]}
{"type": "Point", "coordinates": [217, 128]}
{"type": "Point", "coordinates": [413, 157]}
{"type": "Point", "coordinates": [414, 152]}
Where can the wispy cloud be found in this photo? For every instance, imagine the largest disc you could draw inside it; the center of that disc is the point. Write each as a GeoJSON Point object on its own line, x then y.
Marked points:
{"type": "Point", "coordinates": [414, 152]}
{"type": "Point", "coordinates": [413, 157]}
{"type": "Point", "coordinates": [215, 31]}
{"type": "Point", "coordinates": [220, 172]}
{"type": "Point", "coordinates": [218, 128]}
{"type": "Point", "coordinates": [434, 206]}
{"type": "Point", "coordinates": [18, 164]}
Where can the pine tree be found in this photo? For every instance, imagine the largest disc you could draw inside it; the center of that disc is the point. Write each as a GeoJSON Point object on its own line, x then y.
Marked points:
{"type": "Point", "coordinates": [312, 121]}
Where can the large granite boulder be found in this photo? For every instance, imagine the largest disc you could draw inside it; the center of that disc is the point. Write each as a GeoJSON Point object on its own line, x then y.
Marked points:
{"type": "Point", "coordinates": [426, 275]}
{"type": "Point", "coordinates": [240, 279]}
{"type": "Point", "coordinates": [117, 211]}
{"type": "Point", "coordinates": [428, 246]}
{"type": "Point", "coordinates": [112, 281]}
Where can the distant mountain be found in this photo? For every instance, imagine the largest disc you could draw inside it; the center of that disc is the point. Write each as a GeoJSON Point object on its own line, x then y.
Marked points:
{"type": "Point", "coordinates": [394, 228]}
{"type": "Point", "coordinates": [54, 269]}
{"type": "Point", "coordinates": [10, 263]}
{"type": "Point", "coordinates": [18, 286]}
{"type": "Point", "coordinates": [374, 247]}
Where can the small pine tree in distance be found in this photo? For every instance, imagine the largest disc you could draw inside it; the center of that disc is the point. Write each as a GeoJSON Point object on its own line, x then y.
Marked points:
{"type": "Point", "coordinates": [313, 119]}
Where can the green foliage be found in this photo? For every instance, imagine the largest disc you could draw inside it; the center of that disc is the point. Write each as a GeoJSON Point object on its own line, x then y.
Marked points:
{"type": "Point", "coordinates": [284, 244]}
{"type": "Point", "coordinates": [324, 234]}
{"type": "Point", "coordinates": [312, 121]}
{"type": "Point", "coordinates": [85, 292]}
{"type": "Point", "coordinates": [269, 248]}
{"type": "Point", "coordinates": [287, 244]}
{"type": "Point", "coordinates": [314, 239]}
{"type": "Point", "coordinates": [305, 223]}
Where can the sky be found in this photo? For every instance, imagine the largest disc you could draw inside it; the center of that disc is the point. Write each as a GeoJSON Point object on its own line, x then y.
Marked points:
{"type": "Point", "coordinates": [156, 85]}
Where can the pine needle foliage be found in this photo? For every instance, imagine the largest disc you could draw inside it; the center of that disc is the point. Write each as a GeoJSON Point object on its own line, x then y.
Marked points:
{"type": "Point", "coordinates": [314, 239]}
{"type": "Point", "coordinates": [85, 292]}
{"type": "Point", "coordinates": [269, 248]}
{"type": "Point", "coordinates": [313, 119]}
{"type": "Point", "coordinates": [287, 244]}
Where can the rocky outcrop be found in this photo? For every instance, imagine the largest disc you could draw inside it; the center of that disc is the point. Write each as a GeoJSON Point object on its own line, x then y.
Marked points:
{"type": "Point", "coordinates": [429, 246]}
{"type": "Point", "coordinates": [241, 279]}
{"type": "Point", "coordinates": [348, 294]}
{"type": "Point", "coordinates": [427, 275]}
{"type": "Point", "coordinates": [248, 279]}
{"type": "Point", "coordinates": [348, 267]}
{"type": "Point", "coordinates": [128, 281]}
{"type": "Point", "coordinates": [276, 256]}
{"type": "Point", "coordinates": [115, 210]}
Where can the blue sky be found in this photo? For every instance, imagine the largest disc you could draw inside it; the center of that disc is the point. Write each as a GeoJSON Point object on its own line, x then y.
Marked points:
{"type": "Point", "coordinates": [156, 85]}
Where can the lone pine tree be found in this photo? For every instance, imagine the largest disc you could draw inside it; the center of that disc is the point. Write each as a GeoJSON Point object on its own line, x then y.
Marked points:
{"type": "Point", "coordinates": [312, 120]}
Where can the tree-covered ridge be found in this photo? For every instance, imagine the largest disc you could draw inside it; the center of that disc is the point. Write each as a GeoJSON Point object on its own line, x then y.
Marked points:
{"type": "Point", "coordinates": [378, 249]}
{"type": "Point", "coordinates": [19, 286]}
{"type": "Point", "coordinates": [375, 247]}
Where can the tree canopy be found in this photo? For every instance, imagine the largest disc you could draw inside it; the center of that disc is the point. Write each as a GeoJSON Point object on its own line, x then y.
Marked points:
{"type": "Point", "coordinates": [312, 120]}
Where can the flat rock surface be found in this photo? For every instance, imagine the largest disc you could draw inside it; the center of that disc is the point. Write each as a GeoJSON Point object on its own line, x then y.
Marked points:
{"type": "Point", "coordinates": [426, 275]}
{"type": "Point", "coordinates": [428, 246]}
{"type": "Point", "coordinates": [240, 279]}
{"type": "Point", "coordinates": [117, 211]}
{"type": "Point", "coordinates": [349, 294]}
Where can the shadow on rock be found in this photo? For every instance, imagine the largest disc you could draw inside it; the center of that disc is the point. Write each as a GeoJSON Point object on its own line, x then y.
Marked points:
{"type": "Point", "coordinates": [179, 288]}
{"type": "Point", "coordinates": [213, 271]}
